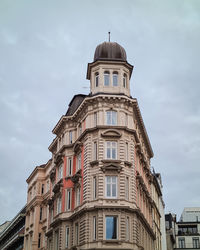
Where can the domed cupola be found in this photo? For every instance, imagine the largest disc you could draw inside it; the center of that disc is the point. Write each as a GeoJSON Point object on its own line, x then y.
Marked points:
{"type": "Point", "coordinates": [110, 72]}
{"type": "Point", "coordinates": [110, 51]}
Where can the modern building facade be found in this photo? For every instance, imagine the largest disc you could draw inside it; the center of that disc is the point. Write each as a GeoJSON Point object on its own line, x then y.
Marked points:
{"type": "Point", "coordinates": [101, 192]}
{"type": "Point", "coordinates": [186, 232]}
{"type": "Point", "coordinates": [12, 236]}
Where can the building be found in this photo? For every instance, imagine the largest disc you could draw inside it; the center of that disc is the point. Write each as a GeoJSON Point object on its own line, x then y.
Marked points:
{"type": "Point", "coordinates": [170, 223]}
{"type": "Point", "coordinates": [184, 234]}
{"type": "Point", "coordinates": [37, 211]}
{"type": "Point", "coordinates": [188, 229]}
{"type": "Point", "coordinates": [101, 192]}
{"type": "Point", "coordinates": [12, 237]}
{"type": "Point", "coordinates": [4, 225]}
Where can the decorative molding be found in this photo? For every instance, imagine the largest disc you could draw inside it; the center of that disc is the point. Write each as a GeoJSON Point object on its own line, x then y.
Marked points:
{"type": "Point", "coordinates": [111, 133]}
{"type": "Point", "coordinates": [77, 146]}
{"type": "Point", "coordinates": [93, 163]}
{"type": "Point", "coordinates": [111, 167]}
{"type": "Point", "coordinates": [128, 163]}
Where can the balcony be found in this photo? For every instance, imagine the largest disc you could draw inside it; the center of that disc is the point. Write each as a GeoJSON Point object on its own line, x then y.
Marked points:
{"type": "Point", "coordinates": [188, 246]}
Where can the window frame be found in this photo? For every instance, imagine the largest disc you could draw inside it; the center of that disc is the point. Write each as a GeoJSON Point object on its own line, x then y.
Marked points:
{"type": "Point", "coordinates": [94, 228]}
{"type": "Point", "coordinates": [70, 166]}
{"type": "Point", "coordinates": [67, 236]}
{"type": "Point", "coordinates": [111, 148]}
{"type": "Point", "coordinates": [116, 229]}
{"type": "Point", "coordinates": [111, 118]}
{"type": "Point", "coordinates": [106, 78]}
{"type": "Point", "coordinates": [125, 80]}
{"type": "Point", "coordinates": [78, 196]}
{"type": "Point", "coordinates": [68, 199]}
{"type": "Point", "coordinates": [78, 158]}
{"type": "Point", "coordinates": [97, 79]}
{"type": "Point", "coordinates": [115, 74]}
{"type": "Point", "coordinates": [70, 136]}
{"type": "Point", "coordinates": [94, 187]}
{"type": "Point", "coordinates": [111, 196]}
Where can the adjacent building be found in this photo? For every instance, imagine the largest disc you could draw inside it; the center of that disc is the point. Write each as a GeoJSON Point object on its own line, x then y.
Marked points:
{"type": "Point", "coordinates": [184, 234]}
{"type": "Point", "coordinates": [12, 236]}
{"type": "Point", "coordinates": [97, 191]}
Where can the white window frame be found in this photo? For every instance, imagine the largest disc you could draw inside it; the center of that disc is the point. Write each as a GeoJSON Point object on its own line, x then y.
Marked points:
{"type": "Point", "coordinates": [115, 74]}
{"type": "Point", "coordinates": [111, 183]}
{"type": "Point", "coordinates": [59, 205]}
{"type": "Point", "coordinates": [60, 171]}
{"type": "Point", "coordinates": [111, 117]}
{"type": "Point", "coordinates": [117, 236]}
{"type": "Point", "coordinates": [78, 165]}
{"type": "Point", "coordinates": [78, 196]}
{"type": "Point", "coordinates": [105, 75]}
{"type": "Point", "coordinates": [110, 146]}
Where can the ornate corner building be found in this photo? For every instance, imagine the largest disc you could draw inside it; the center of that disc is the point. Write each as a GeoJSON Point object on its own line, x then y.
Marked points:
{"type": "Point", "coordinates": [97, 191]}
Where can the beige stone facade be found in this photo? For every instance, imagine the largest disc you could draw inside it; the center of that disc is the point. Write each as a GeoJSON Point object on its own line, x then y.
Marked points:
{"type": "Point", "coordinates": [102, 194]}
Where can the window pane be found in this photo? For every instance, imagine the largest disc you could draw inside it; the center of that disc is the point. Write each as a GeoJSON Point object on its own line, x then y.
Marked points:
{"type": "Point", "coordinates": [113, 153]}
{"type": "Point", "coordinates": [114, 191]}
{"type": "Point", "coordinates": [106, 79]}
{"type": "Point", "coordinates": [115, 79]}
{"type": "Point", "coordinates": [108, 153]}
{"type": "Point", "coordinates": [108, 117]}
{"type": "Point", "coordinates": [111, 227]}
{"type": "Point", "coordinates": [114, 118]}
{"type": "Point", "coordinates": [108, 190]}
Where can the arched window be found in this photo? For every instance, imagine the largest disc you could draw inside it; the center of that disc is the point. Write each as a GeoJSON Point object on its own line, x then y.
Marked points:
{"type": "Point", "coordinates": [115, 78]}
{"type": "Point", "coordinates": [124, 80]}
{"type": "Point", "coordinates": [106, 78]}
{"type": "Point", "coordinates": [97, 79]}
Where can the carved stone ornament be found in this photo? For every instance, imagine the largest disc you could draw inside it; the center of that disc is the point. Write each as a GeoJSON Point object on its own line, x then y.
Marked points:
{"type": "Point", "coordinates": [111, 133]}
{"type": "Point", "coordinates": [58, 186]}
{"type": "Point", "coordinates": [75, 178]}
{"type": "Point", "coordinates": [58, 158]}
{"type": "Point", "coordinates": [77, 147]}
{"type": "Point", "coordinates": [53, 174]}
{"type": "Point", "coordinates": [111, 167]}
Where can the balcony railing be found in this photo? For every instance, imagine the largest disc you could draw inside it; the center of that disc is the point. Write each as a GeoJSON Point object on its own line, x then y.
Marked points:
{"type": "Point", "coordinates": [188, 246]}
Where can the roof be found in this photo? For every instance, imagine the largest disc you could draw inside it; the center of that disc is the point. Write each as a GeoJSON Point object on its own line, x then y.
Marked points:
{"type": "Point", "coordinates": [75, 103]}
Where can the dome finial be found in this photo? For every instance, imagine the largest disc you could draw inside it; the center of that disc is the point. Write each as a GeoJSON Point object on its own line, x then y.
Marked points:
{"type": "Point", "coordinates": [108, 36]}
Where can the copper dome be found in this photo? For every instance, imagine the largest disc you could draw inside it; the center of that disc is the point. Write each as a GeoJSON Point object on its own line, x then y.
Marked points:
{"type": "Point", "coordinates": [110, 51]}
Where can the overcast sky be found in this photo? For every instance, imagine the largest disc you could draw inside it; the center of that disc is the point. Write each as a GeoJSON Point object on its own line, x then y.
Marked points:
{"type": "Point", "coordinates": [44, 50]}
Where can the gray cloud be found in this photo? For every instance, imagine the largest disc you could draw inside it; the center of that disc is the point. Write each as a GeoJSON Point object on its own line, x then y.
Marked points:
{"type": "Point", "coordinates": [45, 47]}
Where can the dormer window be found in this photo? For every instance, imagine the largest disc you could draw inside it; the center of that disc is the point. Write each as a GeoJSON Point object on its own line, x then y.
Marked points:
{"type": "Point", "coordinates": [97, 79]}
{"type": "Point", "coordinates": [115, 79]}
{"type": "Point", "coordinates": [124, 80]}
{"type": "Point", "coordinates": [106, 78]}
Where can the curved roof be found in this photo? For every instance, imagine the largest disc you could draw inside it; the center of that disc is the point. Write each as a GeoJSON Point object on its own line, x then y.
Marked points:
{"type": "Point", "coordinates": [110, 51]}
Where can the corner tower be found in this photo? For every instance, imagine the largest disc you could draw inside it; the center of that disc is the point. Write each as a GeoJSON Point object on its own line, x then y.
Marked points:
{"type": "Point", "coordinates": [109, 72]}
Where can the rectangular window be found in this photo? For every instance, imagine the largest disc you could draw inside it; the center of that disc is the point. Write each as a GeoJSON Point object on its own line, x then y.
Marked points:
{"type": "Point", "coordinates": [70, 137]}
{"type": "Point", "coordinates": [39, 240]}
{"type": "Point", "coordinates": [68, 199]}
{"type": "Point", "coordinates": [195, 242]}
{"type": "Point", "coordinates": [40, 213]}
{"type": "Point", "coordinates": [56, 240]}
{"type": "Point", "coordinates": [115, 79]}
{"type": "Point", "coordinates": [76, 234]}
{"type": "Point", "coordinates": [70, 166]}
{"type": "Point", "coordinates": [94, 187]}
{"type": "Point", "coordinates": [97, 79]}
{"type": "Point", "coordinates": [60, 172]}
{"type": "Point", "coordinates": [95, 151]}
{"type": "Point", "coordinates": [47, 185]}
{"type": "Point", "coordinates": [111, 227]}
{"type": "Point", "coordinates": [95, 119]}
{"type": "Point", "coordinates": [51, 215]}
{"type": "Point", "coordinates": [94, 228]}
{"type": "Point", "coordinates": [59, 205]}
{"type": "Point", "coordinates": [126, 119]}
{"type": "Point", "coordinates": [67, 237]}
{"type": "Point", "coordinates": [111, 187]}
{"type": "Point", "coordinates": [181, 242]}
{"type": "Point", "coordinates": [127, 188]}
{"type": "Point", "coordinates": [42, 190]}
{"type": "Point", "coordinates": [127, 228]}
{"type": "Point", "coordinates": [78, 196]}
{"type": "Point", "coordinates": [126, 150]}
{"type": "Point", "coordinates": [111, 150]}
{"type": "Point", "coordinates": [80, 129]}
{"type": "Point", "coordinates": [111, 117]}
{"type": "Point", "coordinates": [106, 78]}
{"type": "Point", "coordinates": [78, 166]}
